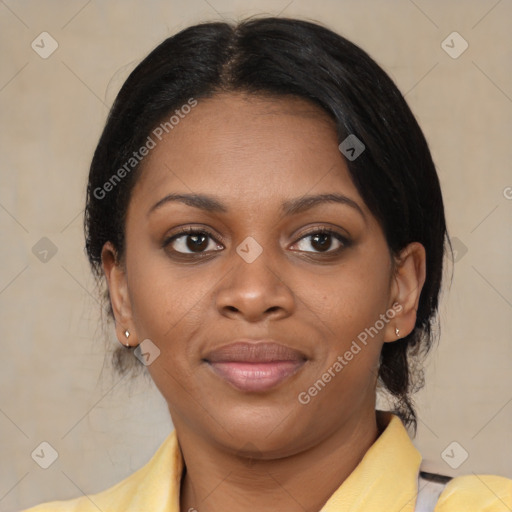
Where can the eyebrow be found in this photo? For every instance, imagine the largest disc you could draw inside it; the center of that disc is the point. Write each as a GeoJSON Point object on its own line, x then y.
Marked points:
{"type": "Point", "coordinates": [290, 207]}
{"type": "Point", "coordinates": [304, 203]}
{"type": "Point", "coordinates": [201, 201]}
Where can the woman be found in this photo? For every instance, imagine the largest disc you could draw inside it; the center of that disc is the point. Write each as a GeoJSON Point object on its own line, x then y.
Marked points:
{"type": "Point", "coordinates": [268, 219]}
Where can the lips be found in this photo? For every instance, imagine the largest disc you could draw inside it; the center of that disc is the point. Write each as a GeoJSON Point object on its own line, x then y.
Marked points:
{"type": "Point", "coordinates": [255, 366]}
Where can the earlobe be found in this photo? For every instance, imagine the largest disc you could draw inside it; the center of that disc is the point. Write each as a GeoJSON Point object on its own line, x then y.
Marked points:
{"type": "Point", "coordinates": [118, 292]}
{"type": "Point", "coordinates": [408, 280]}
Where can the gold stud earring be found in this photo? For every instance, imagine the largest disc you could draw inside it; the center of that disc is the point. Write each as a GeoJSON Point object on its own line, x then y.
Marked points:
{"type": "Point", "coordinates": [127, 335]}
{"type": "Point", "coordinates": [397, 332]}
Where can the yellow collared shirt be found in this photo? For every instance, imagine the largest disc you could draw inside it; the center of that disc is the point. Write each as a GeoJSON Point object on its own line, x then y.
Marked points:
{"type": "Point", "coordinates": [386, 480]}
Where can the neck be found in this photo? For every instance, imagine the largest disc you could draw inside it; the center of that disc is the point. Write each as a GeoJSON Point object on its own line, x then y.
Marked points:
{"type": "Point", "coordinates": [215, 479]}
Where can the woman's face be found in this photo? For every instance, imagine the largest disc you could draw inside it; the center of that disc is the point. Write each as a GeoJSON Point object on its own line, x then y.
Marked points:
{"type": "Point", "coordinates": [284, 270]}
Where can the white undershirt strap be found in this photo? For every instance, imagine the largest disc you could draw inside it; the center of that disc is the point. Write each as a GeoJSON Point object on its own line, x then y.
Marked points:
{"type": "Point", "coordinates": [430, 487]}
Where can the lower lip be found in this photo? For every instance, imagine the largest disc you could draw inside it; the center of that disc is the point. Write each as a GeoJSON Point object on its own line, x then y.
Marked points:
{"type": "Point", "coordinates": [254, 377]}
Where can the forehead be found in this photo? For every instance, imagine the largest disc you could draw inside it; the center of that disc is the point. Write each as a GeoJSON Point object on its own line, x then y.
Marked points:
{"type": "Point", "coordinates": [247, 148]}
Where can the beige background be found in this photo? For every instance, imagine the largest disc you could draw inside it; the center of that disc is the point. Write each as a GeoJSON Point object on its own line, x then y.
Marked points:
{"type": "Point", "coordinates": [53, 384]}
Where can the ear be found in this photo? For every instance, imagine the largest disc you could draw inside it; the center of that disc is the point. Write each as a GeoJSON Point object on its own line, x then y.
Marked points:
{"type": "Point", "coordinates": [408, 280]}
{"type": "Point", "coordinates": [119, 296]}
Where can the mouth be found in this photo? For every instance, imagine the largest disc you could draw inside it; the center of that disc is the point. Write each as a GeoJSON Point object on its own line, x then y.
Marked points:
{"type": "Point", "coordinates": [255, 366]}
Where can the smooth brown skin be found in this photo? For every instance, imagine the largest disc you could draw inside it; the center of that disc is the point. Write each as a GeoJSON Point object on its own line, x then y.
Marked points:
{"type": "Point", "coordinates": [260, 451]}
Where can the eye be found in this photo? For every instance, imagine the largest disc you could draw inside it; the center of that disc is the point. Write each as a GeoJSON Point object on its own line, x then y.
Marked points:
{"type": "Point", "coordinates": [322, 241]}
{"type": "Point", "coordinates": [193, 241]}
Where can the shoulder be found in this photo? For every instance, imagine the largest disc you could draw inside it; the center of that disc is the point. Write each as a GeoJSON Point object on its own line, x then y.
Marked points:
{"type": "Point", "coordinates": [113, 499]}
{"type": "Point", "coordinates": [476, 493]}
{"type": "Point", "coordinates": [58, 506]}
{"type": "Point", "coordinates": [154, 485]}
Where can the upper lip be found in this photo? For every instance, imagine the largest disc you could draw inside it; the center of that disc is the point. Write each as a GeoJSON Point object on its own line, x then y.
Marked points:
{"type": "Point", "coordinates": [254, 351]}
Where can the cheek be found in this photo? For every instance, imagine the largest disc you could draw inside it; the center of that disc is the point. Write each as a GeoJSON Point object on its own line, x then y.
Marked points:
{"type": "Point", "coordinates": [165, 309]}
{"type": "Point", "coordinates": [163, 299]}
{"type": "Point", "coordinates": [169, 308]}
{"type": "Point", "coordinates": [347, 305]}
{"type": "Point", "coordinates": [350, 299]}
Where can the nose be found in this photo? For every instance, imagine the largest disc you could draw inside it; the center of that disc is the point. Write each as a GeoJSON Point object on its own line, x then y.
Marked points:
{"type": "Point", "coordinates": [255, 291]}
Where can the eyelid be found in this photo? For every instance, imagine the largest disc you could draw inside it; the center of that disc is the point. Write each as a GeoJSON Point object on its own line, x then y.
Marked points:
{"type": "Point", "coordinates": [191, 230]}
{"type": "Point", "coordinates": [325, 230]}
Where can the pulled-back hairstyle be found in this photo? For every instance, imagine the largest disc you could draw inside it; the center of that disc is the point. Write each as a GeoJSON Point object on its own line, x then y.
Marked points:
{"type": "Point", "coordinates": [395, 175]}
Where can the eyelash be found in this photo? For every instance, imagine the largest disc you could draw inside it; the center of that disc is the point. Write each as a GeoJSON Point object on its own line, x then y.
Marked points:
{"type": "Point", "coordinates": [187, 230]}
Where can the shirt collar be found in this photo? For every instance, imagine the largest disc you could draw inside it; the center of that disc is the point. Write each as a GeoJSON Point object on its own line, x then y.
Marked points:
{"type": "Point", "coordinates": [385, 479]}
